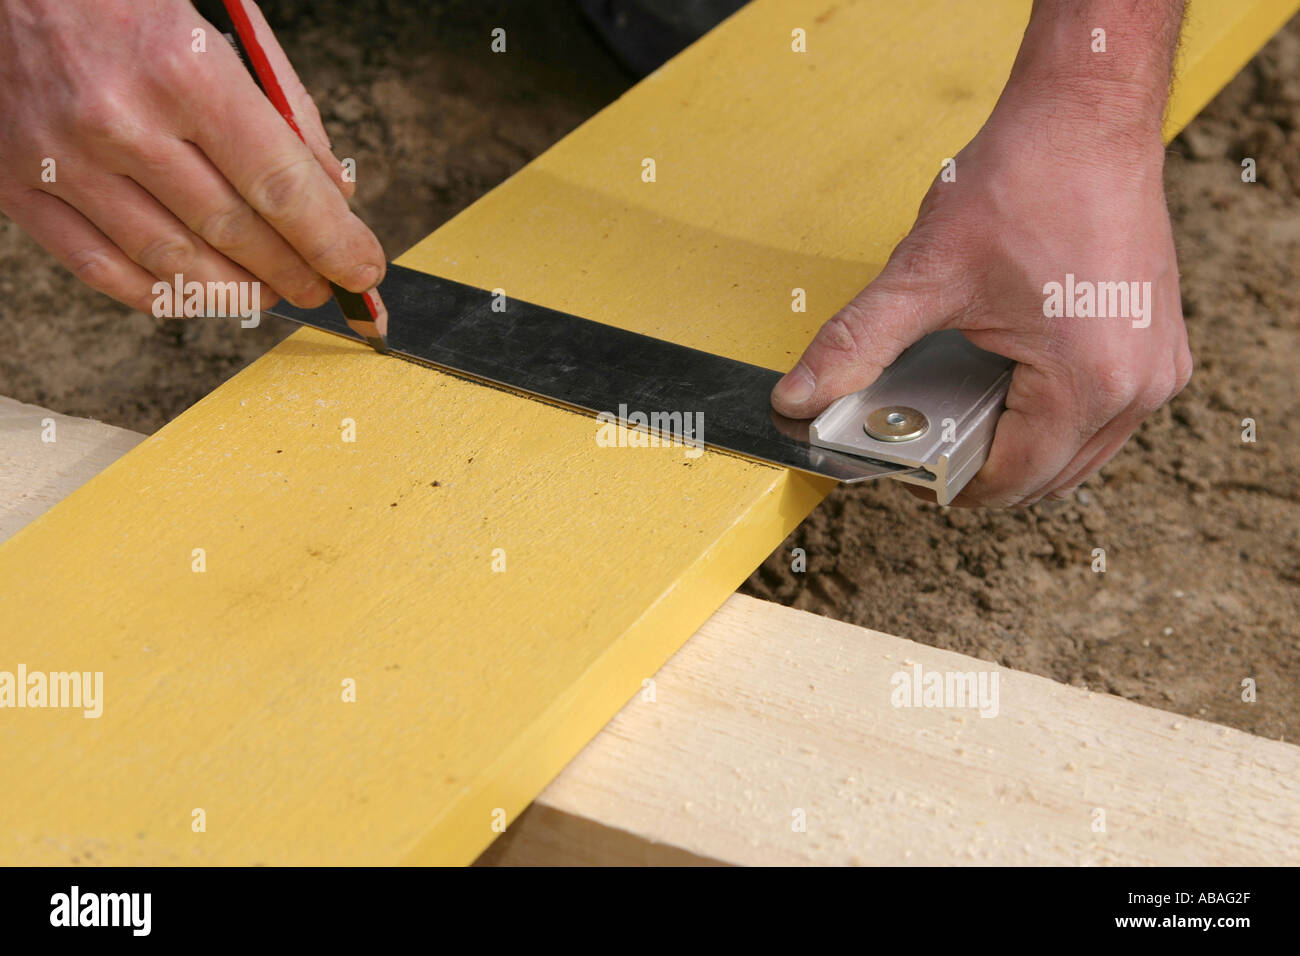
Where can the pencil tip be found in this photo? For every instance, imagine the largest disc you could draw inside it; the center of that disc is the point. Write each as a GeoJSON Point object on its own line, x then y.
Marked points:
{"type": "Point", "coordinates": [378, 344]}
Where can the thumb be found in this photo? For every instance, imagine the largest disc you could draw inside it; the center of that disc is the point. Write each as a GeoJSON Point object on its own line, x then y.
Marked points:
{"type": "Point", "coordinates": [851, 350]}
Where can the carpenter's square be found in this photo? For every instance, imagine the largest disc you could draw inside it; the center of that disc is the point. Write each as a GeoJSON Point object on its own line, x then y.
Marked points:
{"type": "Point", "coordinates": [928, 419]}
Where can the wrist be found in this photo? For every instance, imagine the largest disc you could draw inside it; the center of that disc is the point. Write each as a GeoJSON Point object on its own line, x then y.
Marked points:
{"type": "Point", "coordinates": [1102, 64]}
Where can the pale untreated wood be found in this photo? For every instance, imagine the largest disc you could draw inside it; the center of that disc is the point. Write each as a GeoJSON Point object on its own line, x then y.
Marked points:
{"type": "Point", "coordinates": [769, 711]}
{"type": "Point", "coordinates": [44, 456]}
{"type": "Point", "coordinates": [372, 561]}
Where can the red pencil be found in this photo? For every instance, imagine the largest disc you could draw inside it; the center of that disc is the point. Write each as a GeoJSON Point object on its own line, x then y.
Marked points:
{"type": "Point", "coordinates": [364, 311]}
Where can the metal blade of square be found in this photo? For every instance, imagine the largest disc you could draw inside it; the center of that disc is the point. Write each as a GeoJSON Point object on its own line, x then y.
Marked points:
{"type": "Point", "coordinates": [645, 383]}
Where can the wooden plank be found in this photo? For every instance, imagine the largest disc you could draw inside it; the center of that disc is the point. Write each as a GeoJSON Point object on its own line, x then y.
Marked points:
{"type": "Point", "coordinates": [46, 456]}
{"type": "Point", "coordinates": [1217, 40]}
{"type": "Point", "coordinates": [767, 709]}
{"type": "Point", "coordinates": [372, 560]}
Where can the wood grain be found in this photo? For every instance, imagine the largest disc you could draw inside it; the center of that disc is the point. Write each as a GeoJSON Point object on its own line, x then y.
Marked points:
{"type": "Point", "coordinates": [767, 711]}
{"type": "Point", "coordinates": [372, 560]}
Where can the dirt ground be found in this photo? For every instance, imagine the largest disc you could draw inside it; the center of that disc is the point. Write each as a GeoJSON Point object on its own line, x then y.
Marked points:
{"type": "Point", "coordinates": [1201, 531]}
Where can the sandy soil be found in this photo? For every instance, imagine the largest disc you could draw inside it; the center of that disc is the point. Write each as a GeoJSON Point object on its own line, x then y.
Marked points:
{"type": "Point", "coordinates": [1201, 531]}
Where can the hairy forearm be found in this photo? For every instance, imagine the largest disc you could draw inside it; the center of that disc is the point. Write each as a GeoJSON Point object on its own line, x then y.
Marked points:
{"type": "Point", "coordinates": [1107, 61]}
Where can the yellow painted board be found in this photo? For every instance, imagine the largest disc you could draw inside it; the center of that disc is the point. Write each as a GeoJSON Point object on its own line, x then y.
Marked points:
{"type": "Point", "coordinates": [372, 561]}
{"type": "Point", "coordinates": [1217, 40]}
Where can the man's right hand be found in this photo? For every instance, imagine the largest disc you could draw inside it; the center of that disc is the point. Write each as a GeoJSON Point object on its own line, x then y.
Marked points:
{"type": "Point", "coordinates": [163, 160]}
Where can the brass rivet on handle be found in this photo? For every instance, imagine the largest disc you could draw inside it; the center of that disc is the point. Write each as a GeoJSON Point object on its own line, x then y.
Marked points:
{"type": "Point", "coordinates": [896, 423]}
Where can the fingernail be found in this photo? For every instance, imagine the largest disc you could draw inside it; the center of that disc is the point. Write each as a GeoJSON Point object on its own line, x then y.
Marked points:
{"type": "Point", "coordinates": [796, 387]}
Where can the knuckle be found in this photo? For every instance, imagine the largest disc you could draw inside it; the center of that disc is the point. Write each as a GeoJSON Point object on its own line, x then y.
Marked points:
{"type": "Point", "coordinates": [107, 121]}
{"type": "Point", "coordinates": [1160, 387]}
{"type": "Point", "coordinates": [991, 490]}
{"type": "Point", "coordinates": [93, 267]}
{"type": "Point", "coordinates": [838, 337]}
{"type": "Point", "coordinates": [174, 63]}
{"type": "Point", "coordinates": [1167, 378]}
{"type": "Point", "coordinates": [310, 295]}
{"type": "Point", "coordinates": [167, 256]}
{"type": "Point", "coordinates": [300, 285]}
{"type": "Point", "coordinates": [914, 257]}
{"type": "Point", "coordinates": [330, 257]}
{"type": "Point", "coordinates": [226, 228]}
{"type": "Point", "coordinates": [927, 255]}
{"type": "Point", "coordinates": [1113, 389]}
{"type": "Point", "coordinates": [280, 191]}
